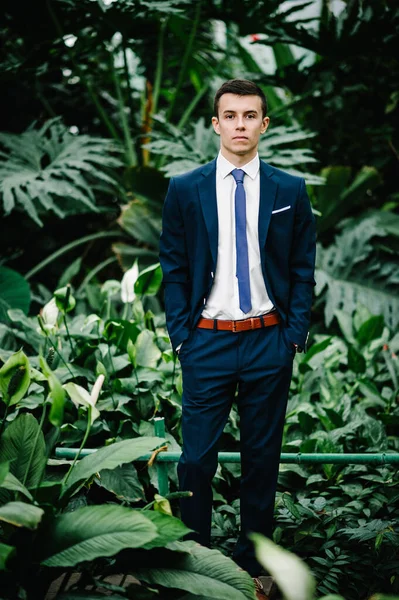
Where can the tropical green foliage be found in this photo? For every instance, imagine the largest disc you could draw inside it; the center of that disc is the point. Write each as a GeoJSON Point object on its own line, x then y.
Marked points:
{"type": "Point", "coordinates": [51, 169]}
{"type": "Point", "coordinates": [343, 399]}
{"type": "Point", "coordinates": [61, 532]}
{"type": "Point", "coordinates": [342, 519]}
{"type": "Point", "coordinates": [360, 268]}
{"type": "Point", "coordinates": [104, 102]}
{"type": "Point", "coordinates": [186, 152]}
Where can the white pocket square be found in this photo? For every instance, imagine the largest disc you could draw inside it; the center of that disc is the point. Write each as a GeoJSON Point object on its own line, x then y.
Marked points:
{"type": "Point", "coordinates": [281, 209]}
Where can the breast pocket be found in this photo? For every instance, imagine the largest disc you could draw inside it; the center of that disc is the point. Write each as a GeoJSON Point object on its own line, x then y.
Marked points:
{"type": "Point", "coordinates": [279, 211]}
{"type": "Point", "coordinates": [279, 235]}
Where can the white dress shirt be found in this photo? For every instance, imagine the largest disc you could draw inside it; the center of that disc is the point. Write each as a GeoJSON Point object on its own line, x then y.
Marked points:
{"type": "Point", "coordinates": [223, 301]}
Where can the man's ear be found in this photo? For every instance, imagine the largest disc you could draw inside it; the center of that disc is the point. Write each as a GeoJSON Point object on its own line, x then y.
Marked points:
{"type": "Point", "coordinates": [265, 124]}
{"type": "Point", "coordinates": [215, 123]}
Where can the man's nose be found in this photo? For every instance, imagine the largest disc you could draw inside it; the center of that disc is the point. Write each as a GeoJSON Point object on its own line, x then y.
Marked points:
{"type": "Point", "coordinates": [240, 123]}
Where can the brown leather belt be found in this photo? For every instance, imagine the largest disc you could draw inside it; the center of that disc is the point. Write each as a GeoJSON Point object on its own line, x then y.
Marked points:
{"type": "Point", "coordinates": [242, 325]}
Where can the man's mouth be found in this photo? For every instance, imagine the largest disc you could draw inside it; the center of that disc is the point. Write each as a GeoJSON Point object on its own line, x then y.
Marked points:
{"type": "Point", "coordinates": [240, 137]}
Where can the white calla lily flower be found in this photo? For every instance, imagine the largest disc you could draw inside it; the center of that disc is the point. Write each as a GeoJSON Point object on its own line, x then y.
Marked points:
{"type": "Point", "coordinates": [80, 396]}
{"type": "Point", "coordinates": [128, 281]}
{"type": "Point", "coordinates": [48, 318]}
{"type": "Point", "coordinates": [50, 313]}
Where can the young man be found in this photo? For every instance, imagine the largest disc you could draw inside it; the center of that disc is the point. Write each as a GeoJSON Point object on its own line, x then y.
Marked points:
{"type": "Point", "coordinates": [237, 252]}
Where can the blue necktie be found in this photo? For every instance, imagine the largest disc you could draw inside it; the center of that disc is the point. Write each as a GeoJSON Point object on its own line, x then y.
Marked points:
{"type": "Point", "coordinates": [242, 267]}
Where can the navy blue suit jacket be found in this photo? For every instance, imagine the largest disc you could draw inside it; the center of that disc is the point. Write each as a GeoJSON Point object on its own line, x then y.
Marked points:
{"type": "Point", "coordinates": [189, 247]}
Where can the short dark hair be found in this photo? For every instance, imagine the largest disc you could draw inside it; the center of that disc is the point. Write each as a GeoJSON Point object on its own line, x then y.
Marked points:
{"type": "Point", "coordinates": [240, 87]}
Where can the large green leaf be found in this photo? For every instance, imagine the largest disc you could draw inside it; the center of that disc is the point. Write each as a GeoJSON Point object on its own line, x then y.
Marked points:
{"type": "Point", "coordinates": [12, 483]}
{"type": "Point", "coordinates": [147, 352]}
{"type": "Point", "coordinates": [5, 553]}
{"type": "Point", "coordinates": [356, 361]}
{"type": "Point", "coordinates": [350, 274]}
{"type": "Point", "coordinates": [14, 292]}
{"type": "Point", "coordinates": [140, 221]}
{"type": "Point", "coordinates": [25, 328]}
{"type": "Point", "coordinates": [122, 481]}
{"type": "Point", "coordinates": [4, 469]}
{"type": "Point", "coordinates": [370, 330]}
{"type": "Point", "coordinates": [22, 444]}
{"type": "Point", "coordinates": [336, 198]}
{"type": "Point", "coordinates": [73, 165]}
{"type": "Point", "coordinates": [94, 531]}
{"type": "Point", "coordinates": [57, 395]}
{"type": "Point", "coordinates": [15, 378]}
{"type": "Point", "coordinates": [149, 281]}
{"type": "Point", "coordinates": [111, 457]}
{"type": "Point", "coordinates": [21, 514]}
{"type": "Point", "coordinates": [202, 572]}
{"type": "Point", "coordinates": [169, 529]}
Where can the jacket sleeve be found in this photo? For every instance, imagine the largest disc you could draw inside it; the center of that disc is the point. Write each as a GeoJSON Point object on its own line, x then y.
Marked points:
{"type": "Point", "coordinates": [302, 265]}
{"type": "Point", "coordinates": [175, 269]}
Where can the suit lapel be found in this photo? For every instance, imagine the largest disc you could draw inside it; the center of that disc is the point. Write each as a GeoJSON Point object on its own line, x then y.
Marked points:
{"type": "Point", "coordinates": [207, 192]}
{"type": "Point", "coordinates": [268, 192]}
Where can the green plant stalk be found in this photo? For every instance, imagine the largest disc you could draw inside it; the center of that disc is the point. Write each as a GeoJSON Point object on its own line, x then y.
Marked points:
{"type": "Point", "coordinates": [186, 57]}
{"type": "Point", "coordinates": [114, 374]}
{"type": "Point", "coordinates": [171, 496]}
{"type": "Point", "coordinates": [94, 272]}
{"type": "Point", "coordinates": [159, 68]}
{"type": "Point", "coordinates": [39, 318]}
{"type": "Point", "coordinates": [106, 120]}
{"type": "Point", "coordinates": [35, 442]}
{"type": "Point", "coordinates": [127, 76]}
{"type": "Point", "coordinates": [129, 148]}
{"type": "Point", "coordinates": [44, 101]}
{"type": "Point", "coordinates": [82, 445]}
{"type": "Point", "coordinates": [67, 248]}
{"type": "Point", "coordinates": [68, 335]}
{"type": "Point", "coordinates": [191, 107]}
{"type": "Point", "coordinates": [103, 115]}
{"type": "Point", "coordinates": [185, 117]}
{"type": "Point", "coordinates": [108, 309]}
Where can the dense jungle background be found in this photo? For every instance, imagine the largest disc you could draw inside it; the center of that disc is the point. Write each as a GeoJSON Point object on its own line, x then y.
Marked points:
{"type": "Point", "coordinates": [103, 101]}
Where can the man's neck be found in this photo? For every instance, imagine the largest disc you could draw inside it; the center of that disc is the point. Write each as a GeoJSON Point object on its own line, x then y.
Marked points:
{"type": "Point", "coordinates": [238, 160]}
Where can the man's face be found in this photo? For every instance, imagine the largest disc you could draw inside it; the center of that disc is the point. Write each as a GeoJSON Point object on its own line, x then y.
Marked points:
{"type": "Point", "coordinates": [240, 124]}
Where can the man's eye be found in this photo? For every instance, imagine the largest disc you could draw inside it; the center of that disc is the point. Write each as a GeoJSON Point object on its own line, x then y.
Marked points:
{"type": "Point", "coordinates": [229, 116]}
{"type": "Point", "coordinates": [251, 116]}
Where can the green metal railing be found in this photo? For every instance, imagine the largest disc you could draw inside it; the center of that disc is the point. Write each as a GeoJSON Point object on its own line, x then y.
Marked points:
{"type": "Point", "coordinates": [163, 458]}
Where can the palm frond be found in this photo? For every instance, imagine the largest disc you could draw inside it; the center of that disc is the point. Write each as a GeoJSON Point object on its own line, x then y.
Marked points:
{"type": "Point", "coordinates": [42, 168]}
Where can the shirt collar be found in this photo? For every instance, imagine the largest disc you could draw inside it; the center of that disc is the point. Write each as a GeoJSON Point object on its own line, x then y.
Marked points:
{"type": "Point", "coordinates": [225, 167]}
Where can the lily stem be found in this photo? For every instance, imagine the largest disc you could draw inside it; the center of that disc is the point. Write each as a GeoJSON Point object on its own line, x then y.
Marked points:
{"type": "Point", "coordinates": [82, 445]}
{"type": "Point", "coordinates": [68, 335]}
